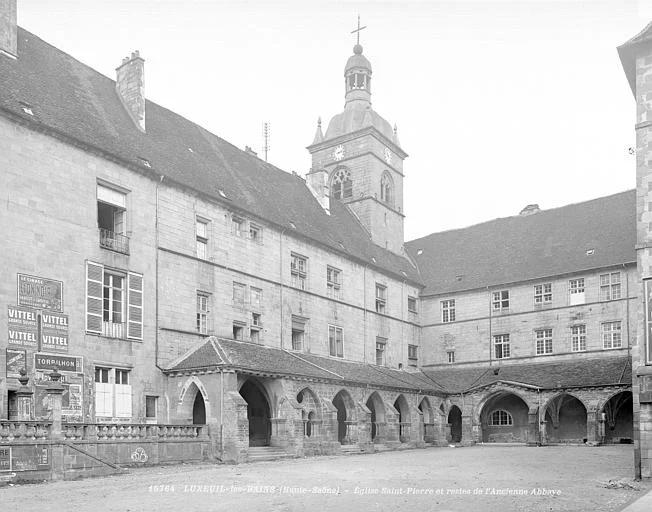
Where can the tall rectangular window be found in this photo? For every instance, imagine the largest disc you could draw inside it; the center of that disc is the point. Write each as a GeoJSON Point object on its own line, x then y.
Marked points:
{"type": "Point", "coordinates": [381, 298]}
{"type": "Point", "coordinates": [333, 282]}
{"type": "Point", "coordinates": [412, 304]}
{"type": "Point", "coordinates": [450, 354]}
{"type": "Point", "coordinates": [578, 338]}
{"type": "Point", "coordinates": [151, 403]}
{"type": "Point", "coordinates": [239, 292]}
{"type": "Point", "coordinates": [114, 302]}
{"type": "Point", "coordinates": [256, 298]}
{"type": "Point", "coordinates": [576, 291]}
{"type": "Point", "coordinates": [238, 330]}
{"type": "Point", "coordinates": [238, 225]}
{"type": "Point", "coordinates": [298, 333]}
{"type": "Point", "coordinates": [610, 286]}
{"type": "Point", "coordinates": [201, 236]}
{"type": "Point", "coordinates": [299, 271]}
{"type": "Point", "coordinates": [255, 233]}
{"type": "Point", "coordinates": [448, 310]}
{"type": "Point", "coordinates": [381, 344]}
{"type": "Point", "coordinates": [335, 341]}
{"type": "Point", "coordinates": [500, 300]}
{"type": "Point", "coordinates": [103, 393]}
{"type": "Point", "coordinates": [255, 327]}
{"type": "Point", "coordinates": [543, 341]}
{"type": "Point", "coordinates": [543, 294]}
{"type": "Point", "coordinates": [112, 219]}
{"type": "Point", "coordinates": [202, 313]}
{"type": "Point", "coordinates": [611, 335]}
{"type": "Point", "coordinates": [413, 355]}
{"type": "Point", "coordinates": [501, 346]}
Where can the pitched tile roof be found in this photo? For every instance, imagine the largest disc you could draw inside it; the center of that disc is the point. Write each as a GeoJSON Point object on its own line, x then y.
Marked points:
{"type": "Point", "coordinates": [252, 357]}
{"type": "Point", "coordinates": [582, 372]}
{"type": "Point", "coordinates": [512, 249]}
{"type": "Point", "coordinates": [77, 102]}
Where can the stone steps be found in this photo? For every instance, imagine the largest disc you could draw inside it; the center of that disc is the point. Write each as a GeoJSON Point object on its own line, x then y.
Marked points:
{"type": "Point", "coordinates": [350, 449]}
{"type": "Point", "coordinates": [261, 453]}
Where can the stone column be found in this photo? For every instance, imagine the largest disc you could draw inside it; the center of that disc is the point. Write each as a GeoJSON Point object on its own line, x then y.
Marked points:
{"type": "Point", "coordinates": [592, 426]}
{"type": "Point", "coordinates": [55, 396]}
{"type": "Point", "coordinates": [471, 433]}
{"type": "Point", "coordinates": [533, 428]}
{"type": "Point", "coordinates": [24, 397]}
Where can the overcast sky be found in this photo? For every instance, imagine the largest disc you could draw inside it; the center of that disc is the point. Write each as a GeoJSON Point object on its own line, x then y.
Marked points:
{"type": "Point", "coordinates": [498, 103]}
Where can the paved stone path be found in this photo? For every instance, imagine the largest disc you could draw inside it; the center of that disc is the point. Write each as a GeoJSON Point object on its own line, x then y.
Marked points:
{"type": "Point", "coordinates": [479, 478]}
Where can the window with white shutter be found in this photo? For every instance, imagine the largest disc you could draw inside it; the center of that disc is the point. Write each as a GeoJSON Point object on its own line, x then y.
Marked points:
{"type": "Point", "coordinates": [94, 273]}
{"type": "Point", "coordinates": [135, 307]}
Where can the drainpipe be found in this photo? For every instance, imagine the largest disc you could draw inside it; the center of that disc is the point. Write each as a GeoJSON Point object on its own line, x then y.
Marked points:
{"type": "Point", "coordinates": [364, 315]}
{"type": "Point", "coordinates": [222, 412]}
{"type": "Point", "coordinates": [280, 277]}
{"type": "Point", "coordinates": [403, 299]}
{"type": "Point", "coordinates": [156, 231]}
{"type": "Point", "coordinates": [627, 305]}
{"type": "Point", "coordinates": [490, 318]}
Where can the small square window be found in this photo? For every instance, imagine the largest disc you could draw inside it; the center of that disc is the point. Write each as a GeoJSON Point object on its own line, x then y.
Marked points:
{"type": "Point", "coordinates": [500, 300]}
{"type": "Point", "coordinates": [238, 225]}
{"type": "Point", "coordinates": [255, 233]}
{"type": "Point", "coordinates": [238, 331]}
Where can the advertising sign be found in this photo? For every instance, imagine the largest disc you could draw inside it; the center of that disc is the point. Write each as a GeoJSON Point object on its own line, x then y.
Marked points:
{"type": "Point", "coordinates": [54, 332]}
{"type": "Point", "coordinates": [16, 359]}
{"type": "Point", "coordinates": [48, 362]}
{"type": "Point", "coordinates": [40, 293]}
{"type": "Point", "coordinates": [71, 401]}
{"type": "Point", "coordinates": [23, 327]}
{"type": "Point", "coordinates": [24, 458]}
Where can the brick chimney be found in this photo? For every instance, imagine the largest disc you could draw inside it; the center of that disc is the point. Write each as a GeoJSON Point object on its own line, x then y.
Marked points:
{"type": "Point", "coordinates": [317, 182]}
{"type": "Point", "coordinates": [8, 28]}
{"type": "Point", "coordinates": [130, 84]}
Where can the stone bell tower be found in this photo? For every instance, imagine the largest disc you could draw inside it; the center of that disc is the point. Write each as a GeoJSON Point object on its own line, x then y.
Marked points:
{"type": "Point", "coordinates": [359, 158]}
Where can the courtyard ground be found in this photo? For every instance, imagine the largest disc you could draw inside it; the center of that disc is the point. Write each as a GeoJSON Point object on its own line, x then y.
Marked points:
{"type": "Point", "coordinates": [479, 478]}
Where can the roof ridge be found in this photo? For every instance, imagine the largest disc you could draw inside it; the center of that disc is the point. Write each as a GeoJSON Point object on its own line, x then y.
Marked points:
{"type": "Point", "coordinates": [311, 363]}
{"type": "Point", "coordinates": [517, 216]}
{"type": "Point", "coordinates": [179, 359]}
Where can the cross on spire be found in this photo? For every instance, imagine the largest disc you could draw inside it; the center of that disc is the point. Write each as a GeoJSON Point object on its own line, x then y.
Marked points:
{"type": "Point", "coordinates": [357, 30]}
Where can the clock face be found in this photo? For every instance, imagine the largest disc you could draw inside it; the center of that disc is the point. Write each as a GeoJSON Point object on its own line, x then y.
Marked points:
{"type": "Point", "coordinates": [388, 156]}
{"type": "Point", "coordinates": [338, 153]}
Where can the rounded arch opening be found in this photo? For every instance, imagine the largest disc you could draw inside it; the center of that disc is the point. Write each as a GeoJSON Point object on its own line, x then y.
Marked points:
{"type": "Point", "coordinates": [565, 420]}
{"type": "Point", "coordinates": [455, 422]}
{"type": "Point", "coordinates": [403, 409]}
{"type": "Point", "coordinates": [345, 413]}
{"type": "Point", "coordinates": [258, 412]}
{"type": "Point", "coordinates": [375, 405]}
{"type": "Point", "coordinates": [387, 189]}
{"type": "Point", "coordinates": [504, 418]}
{"type": "Point", "coordinates": [618, 415]}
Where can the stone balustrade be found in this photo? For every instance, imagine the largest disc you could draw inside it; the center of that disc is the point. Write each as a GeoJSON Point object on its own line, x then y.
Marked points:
{"type": "Point", "coordinates": [20, 431]}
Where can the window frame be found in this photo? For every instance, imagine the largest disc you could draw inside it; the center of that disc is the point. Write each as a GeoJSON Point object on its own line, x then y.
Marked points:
{"type": "Point", "coordinates": [240, 304]}
{"type": "Point", "coordinates": [614, 330]}
{"type": "Point", "coordinates": [335, 343]}
{"type": "Point", "coordinates": [333, 282]}
{"type": "Point", "coordinates": [503, 417]}
{"type": "Point", "coordinates": [202, 312]}
{"type": "Point", "coordinates": [238, 225]}
{"type": "Point", "coordinates": [578, 339]}
{"type": "Point", "coordinates": [381, 349]}
{"type": "Point", "coordinates": [255, 228]}
{"type": "Point", "coordinates": [543, 294]}
{"type": "Point", "coordinates": [447, 311]}
{"type": "Point", "coordinates": [413, 353]}
{"type": "Point", "coordinates": [116, 392]}
{"type": "Point", "coordinates": [298, 275]}
{"type": "Point", "coordinates": [201, 238]}
{"type": "Point", "coordinates": [412, 304]}
{"type": "Point", "coordinates": [543, 341]}
{"type": "Point", "coordinates": [504, 341]}
{"type": "Point", "coordinates": [500, 301]}
{"type": "Point", "coordinates": [611, 289]}
{"type": "Point", "coordinates": [381, 298]}
{"type": "Point", "coordinates": [576, 291]}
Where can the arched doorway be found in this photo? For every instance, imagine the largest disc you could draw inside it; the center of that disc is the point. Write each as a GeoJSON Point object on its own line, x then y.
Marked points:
{"type": "Point", "coordinates": [311, 410]}
{"type": "Point", "coordinates": [618, 414]}
{"type": "Point", "coordinates": [199, 410]}
{"type": "Point", "coordinates": [427, 420]}
{"type": "Point", "coordinates": [565, 420]}
{"type": "Point", "coordinates": [455, 421]}
{"type": "Point", "coordinates": [401, 405]}
{"type": "Point", "coordinates": [258, 413]}
{"type": "Point", "coordinates": [375, 405]}
{"type": "Point", "coordinates": [345, 407]}
{"type": "Point", "coordinates": [504, 419]}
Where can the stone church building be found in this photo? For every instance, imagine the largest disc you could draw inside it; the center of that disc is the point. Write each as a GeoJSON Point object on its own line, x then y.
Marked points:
{"type": "Point", "coordinates": [147, 260]}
